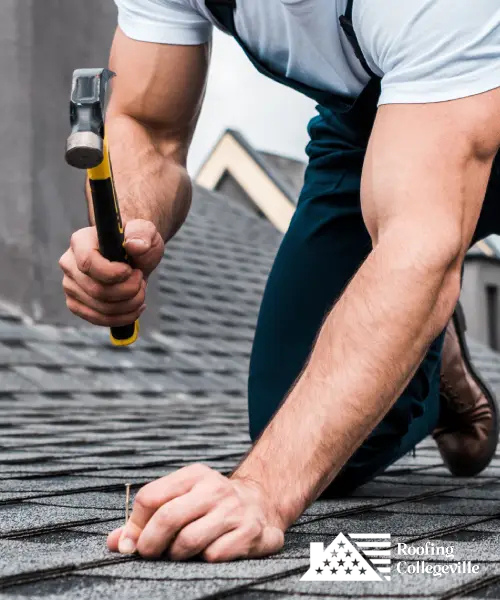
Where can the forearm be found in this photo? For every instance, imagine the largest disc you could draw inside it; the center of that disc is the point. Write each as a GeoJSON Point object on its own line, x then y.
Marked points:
{"type": "Point", "coordinates": [368, 348]}
{"type": "Point", "coordinates": [421, 202]}
{"type": "Point", "coordinates": [150, 175]}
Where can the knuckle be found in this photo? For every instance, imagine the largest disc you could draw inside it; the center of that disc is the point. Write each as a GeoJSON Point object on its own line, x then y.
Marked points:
{"type": "Point", "coordinates": [84, 262]}
{"type": "Point", "coordinates": [130, 291]}
{"type": "Point", "coordinates": [145, 500]}
{"type": "Point", "coordinates": [70, 304]}
{"type": "Point", "coordinates": [119, 292]}
{"type": "Point", "coordinates": [132, 307]}
{"type": "Point", "coordinates": [96, 291]}
{"type": "Point", "coordinates": [233, 505]}
{"type": "Point", "coordinates": [199, 469]}
{"type": "Point", "coordinates": [137, 285]}
{"type": "Point", "coordinates": [65, 263]}
{"type": "Point", "coordinates": [146, 550]}
{"type": "Point", "coordinates": [254, 529]}
{"type": "Point", "coordinates": [220, 491]}
{"type": "Point", "coordinates": [63, 260]}
{"type": "Point", "coordinates": [188, 540]}
{"type": "Point", "coordinates": [141, 297]}
{"type": "Point", "coordinates": [164, 518]}
{"type": "Point", "coordinates": [223, 486]}
{"type": "Point", "coordinates": [214, 555]}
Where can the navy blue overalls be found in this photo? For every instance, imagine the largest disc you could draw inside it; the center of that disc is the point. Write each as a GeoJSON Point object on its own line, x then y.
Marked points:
{"type": "Point", "coordinates": [324, 246]}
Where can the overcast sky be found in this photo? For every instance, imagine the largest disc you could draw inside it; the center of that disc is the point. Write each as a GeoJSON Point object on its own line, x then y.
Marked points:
{"type": "Point", "coordinates": [271, 116]}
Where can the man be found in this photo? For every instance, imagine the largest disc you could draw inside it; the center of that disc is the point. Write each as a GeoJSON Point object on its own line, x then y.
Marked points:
{"type": "Point", "coordinates": [403, 176]}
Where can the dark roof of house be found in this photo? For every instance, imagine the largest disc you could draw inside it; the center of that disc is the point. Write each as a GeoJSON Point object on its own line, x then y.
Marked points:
{"type": "Point", "coordinates": [492, 255]}
{"type": "Point", "coordinates": [79, 419]}
{"type": "Point", "coordinates": [289, 170]}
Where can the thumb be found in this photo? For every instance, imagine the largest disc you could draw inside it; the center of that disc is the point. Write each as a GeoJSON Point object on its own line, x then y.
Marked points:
{"type": "Point", "coordinates": [143, 244]}
{"type": "Point", "coordinates": [139, 236]}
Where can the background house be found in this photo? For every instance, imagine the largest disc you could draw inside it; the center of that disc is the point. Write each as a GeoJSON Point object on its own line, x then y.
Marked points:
{"type": "Point", "coordinates": [270, 184]}
{"type": "Point", "coordinates": [480, 291]}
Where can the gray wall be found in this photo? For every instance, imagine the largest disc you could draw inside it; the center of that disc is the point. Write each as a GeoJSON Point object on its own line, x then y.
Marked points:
{"type": "Point", "coordinates": [41, 198]}
{"type": "Point", "coordinates": [16, 42]}
{"type": "Point", "coordinates": [478, 274]}
{"type": "Point", "coordinates": [67, 34]}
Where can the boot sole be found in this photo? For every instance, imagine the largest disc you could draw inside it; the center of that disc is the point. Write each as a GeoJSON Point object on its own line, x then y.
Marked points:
{"type": "Point", "coordinates": [461, 327]}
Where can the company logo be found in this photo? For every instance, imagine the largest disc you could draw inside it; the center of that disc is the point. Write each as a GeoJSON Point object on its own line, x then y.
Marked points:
{"type": "Point", "coordinates": [357, 557]}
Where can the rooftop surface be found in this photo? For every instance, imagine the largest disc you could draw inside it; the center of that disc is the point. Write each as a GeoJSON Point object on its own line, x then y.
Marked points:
{"type": "Point", "coordinates": [80, 419]}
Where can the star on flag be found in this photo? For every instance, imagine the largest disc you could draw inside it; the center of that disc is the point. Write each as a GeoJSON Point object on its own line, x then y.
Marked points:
{"type": "Point", "coordinates": [346, 559]}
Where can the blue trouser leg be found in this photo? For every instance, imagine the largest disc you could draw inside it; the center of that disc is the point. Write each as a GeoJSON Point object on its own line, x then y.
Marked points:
{"type": "Point", "coordinates": [324, 246]}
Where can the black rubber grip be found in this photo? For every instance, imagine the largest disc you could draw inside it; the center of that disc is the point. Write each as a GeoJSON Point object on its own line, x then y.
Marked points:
{"type": "Point", "coordinates": [110, 235]}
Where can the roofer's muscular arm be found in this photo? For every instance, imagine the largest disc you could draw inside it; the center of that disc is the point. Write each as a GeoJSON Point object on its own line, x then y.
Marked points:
{"type": "Point", "coordinates": [424, 182]}
{"type": "Point", "coordinates": [150, 121]}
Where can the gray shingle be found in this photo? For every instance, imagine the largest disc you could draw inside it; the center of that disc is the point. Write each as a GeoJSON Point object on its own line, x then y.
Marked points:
{"type": "Point", "coordinates": [79, 419]}
{"type": "Point", "coordinates": [85, 587]}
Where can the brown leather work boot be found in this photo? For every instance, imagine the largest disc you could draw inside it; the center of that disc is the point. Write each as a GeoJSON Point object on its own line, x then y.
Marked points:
{"type": "Point", "coordinates": [467, 431]}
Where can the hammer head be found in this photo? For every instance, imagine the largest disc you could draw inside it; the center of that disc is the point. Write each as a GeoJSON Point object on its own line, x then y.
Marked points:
{"type": "Point", "coordinates": [84, 149]}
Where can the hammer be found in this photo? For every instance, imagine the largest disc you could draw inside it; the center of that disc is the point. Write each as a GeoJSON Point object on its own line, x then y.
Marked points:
{"type": "Point", "coordinates": [87, 148]}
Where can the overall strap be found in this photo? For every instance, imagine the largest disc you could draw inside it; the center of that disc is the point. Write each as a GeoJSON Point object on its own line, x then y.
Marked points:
{"type": "Point", "coordinates": [347, 26]}
{"type": "Point", "coordinates": [223, 11]}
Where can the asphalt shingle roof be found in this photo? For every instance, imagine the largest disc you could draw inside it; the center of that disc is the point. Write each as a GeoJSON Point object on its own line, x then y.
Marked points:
{"type": "Point", "coordinates": [79, 419]}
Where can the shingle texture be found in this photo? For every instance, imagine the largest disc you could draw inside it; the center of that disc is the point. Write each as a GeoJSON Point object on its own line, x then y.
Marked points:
{"type": "Point", "coordinates": [289, 170]}
{"type": "Point", "coordinates": [79, 419]}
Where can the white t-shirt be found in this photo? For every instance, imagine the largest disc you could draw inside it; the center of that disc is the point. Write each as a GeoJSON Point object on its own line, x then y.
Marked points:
{"type": "Point", "coordinates": [424, 50]}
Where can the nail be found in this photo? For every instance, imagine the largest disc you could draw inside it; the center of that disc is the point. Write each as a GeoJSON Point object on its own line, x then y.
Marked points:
{"type": "Point", "coordinates": [142, 309]}
{"type": "Point", "coordinates": [138, 241]}
{"type": "Point", "coordinates": [126, 546]}
{"type": "Point", "coordinates": [127, 502]}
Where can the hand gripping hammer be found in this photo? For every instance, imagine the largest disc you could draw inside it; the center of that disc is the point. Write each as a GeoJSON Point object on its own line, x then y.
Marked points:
{"type": "Point", "coordinates": [87, 148]}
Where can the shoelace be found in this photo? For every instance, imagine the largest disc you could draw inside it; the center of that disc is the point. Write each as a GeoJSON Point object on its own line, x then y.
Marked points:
{"type": "Point", "coordinates": [453, 403]}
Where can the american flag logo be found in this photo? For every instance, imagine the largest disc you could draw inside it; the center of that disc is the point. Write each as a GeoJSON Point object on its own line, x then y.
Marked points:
{"type": "Point", "coordinates": [357, 557]}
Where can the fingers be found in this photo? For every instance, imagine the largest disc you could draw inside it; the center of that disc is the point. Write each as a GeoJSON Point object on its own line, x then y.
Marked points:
{"type": "Point", "coordinates": [152, 496]}
{"type": "Point", "coordinates": [90, 315]}
{"type": "Point", "coordinates": [103, 293]}
{"type": "Point", "coordinates": [198, 511]}
{"type": "Point", "coordinates": [199, 534]}
{"type": "Point", "coordinates": [173, 517]}
{"type": "Point", "coordinates": [143, 244]}
{"type": "Point", "coordinates": [108, 301]}
{"type": "Point", "coordinates": [110, 306]}
{"type": "Point", "coordinates": [117, 292]}
{"type": "Point", "coordinates": [248, 541]}
{"type": "Point", "coordinates": [113, 537]}
{"type": "Point", "coordinates": [89, 260]}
